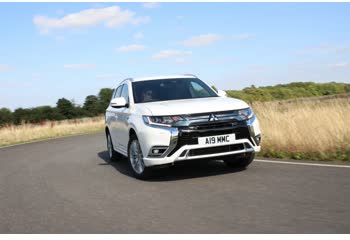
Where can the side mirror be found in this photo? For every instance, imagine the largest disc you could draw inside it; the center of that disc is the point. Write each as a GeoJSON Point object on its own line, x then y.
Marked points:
{"type": "Point", "coordinates": [222, 93]}
{"type": "Point", "coordinates": [118, 102]}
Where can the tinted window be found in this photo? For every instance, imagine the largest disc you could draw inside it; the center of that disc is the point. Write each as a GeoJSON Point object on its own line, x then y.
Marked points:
{"type": "Point", "coordinates": [170, 89]}
{"type": "Point", "coordinates": [125, 93]}
{"type": "Point", "coordinates": [118, 91]}
{"type": "Point", "coordinates": [197, 90]}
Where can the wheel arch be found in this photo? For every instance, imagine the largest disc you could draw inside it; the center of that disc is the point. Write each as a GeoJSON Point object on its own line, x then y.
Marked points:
{"type": "Point", "coordinates": [132, 132]}
{"type": "Point", "coordinates": [106, 130]}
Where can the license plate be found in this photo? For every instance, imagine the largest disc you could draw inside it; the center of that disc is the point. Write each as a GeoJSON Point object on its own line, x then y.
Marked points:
{"type": "Point", "coordinates": [217, 140]}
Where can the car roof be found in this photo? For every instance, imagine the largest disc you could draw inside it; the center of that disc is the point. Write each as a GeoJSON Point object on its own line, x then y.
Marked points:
{"type": "Point", "coordinates": [139, 79]}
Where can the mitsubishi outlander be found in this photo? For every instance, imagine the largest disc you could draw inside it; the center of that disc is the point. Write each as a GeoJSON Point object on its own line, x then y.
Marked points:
{"type": "Point", "coordinates": [158, 121]}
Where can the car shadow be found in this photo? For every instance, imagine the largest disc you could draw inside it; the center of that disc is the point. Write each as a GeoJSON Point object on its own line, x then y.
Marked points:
{"type": "Point", "coordinates": [181, 170]}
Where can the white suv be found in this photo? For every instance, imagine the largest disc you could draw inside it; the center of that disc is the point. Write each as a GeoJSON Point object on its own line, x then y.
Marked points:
{"type": "Point", "coordinates": [161, 120]}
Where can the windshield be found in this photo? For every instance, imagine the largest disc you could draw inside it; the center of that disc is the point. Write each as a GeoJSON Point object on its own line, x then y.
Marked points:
{"type": "Point", "coordinates": [170, 89]}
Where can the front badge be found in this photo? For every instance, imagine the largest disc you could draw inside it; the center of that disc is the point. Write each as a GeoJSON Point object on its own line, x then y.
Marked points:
{"type": "Point", "coordinates": [212, 118]}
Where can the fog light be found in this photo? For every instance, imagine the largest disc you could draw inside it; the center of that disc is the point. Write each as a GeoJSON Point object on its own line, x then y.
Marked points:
{"type": "Point", "coordinates": [258, 139]}
{"type": "Point", "coordinates": [157, 151]}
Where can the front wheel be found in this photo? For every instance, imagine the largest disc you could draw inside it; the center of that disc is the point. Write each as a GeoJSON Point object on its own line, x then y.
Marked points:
{"type": "Point", "coordinates": [135, 156]}
{"type": "Point", "coordinates": [239, 161]}
{"type": "Point", "coordinates": [113, 155]}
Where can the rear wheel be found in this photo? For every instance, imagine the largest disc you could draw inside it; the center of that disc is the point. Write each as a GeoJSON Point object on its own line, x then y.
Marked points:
{"type": "Point", "coordinates": [239, 161]}
{"type": "Point", "coordinates": [135, 156]}
{"type": "Point", "coordinates": [113, 155]}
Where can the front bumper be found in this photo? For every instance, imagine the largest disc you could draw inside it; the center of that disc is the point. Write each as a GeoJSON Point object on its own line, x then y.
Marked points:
{"type": "Point", "coordinates": [183, 144]}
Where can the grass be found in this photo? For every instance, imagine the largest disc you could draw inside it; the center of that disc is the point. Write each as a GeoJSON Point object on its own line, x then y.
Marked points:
{"type": "Point", "coordinates": [308, 128]}
{"type": "Point", "coordinates": [50, 129]}
{"type": "Point", "coordinates": [311, 129]}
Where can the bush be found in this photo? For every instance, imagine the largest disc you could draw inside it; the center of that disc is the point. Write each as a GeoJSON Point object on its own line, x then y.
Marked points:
{"type": "Point", "coordinates": [289, 91]}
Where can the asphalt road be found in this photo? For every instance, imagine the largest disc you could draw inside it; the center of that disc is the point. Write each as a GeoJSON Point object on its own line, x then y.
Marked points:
{"type": "Point", "coordinates": [67, 185]}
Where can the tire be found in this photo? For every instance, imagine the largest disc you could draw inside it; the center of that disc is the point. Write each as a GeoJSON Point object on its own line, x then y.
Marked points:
{"type": "Point", "coordinates": [113, 155]}
{"type": "Point", "coordinates": [135, 158]}
{"type": "Point", "coordinates": [239, 161]}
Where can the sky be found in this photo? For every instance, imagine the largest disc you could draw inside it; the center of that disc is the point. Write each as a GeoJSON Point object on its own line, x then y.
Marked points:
{"type": "Point", "coordinates": [54, 50]}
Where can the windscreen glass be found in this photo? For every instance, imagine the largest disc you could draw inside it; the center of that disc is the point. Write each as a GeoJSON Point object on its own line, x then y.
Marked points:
{"type": "Point", "coordinates": [170, 89]}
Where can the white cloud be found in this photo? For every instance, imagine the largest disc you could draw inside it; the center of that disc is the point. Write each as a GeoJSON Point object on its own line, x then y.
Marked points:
{"type": "Point", "coordinates": [341, 65]}
{"type": "Point", "coordinates": [201, 40]}
{"type": "Point", "coordinates": [109, 16]}
{"type": "Point", "coordinates": [150, 5]}
{"type": "Point", "coordinates": [4, 67]}
{"type": "Point", "coordinates": [138, 35]}
{"type": "Point", "coordinates": [170, 54]}
{"type": "Point", "coordinates": [180, 17]}
{"type": "Point", "coordinates": [131, 48]}
{"type": "Point", "coordinates": [243, 36]}
{"type": "Point", "coordinates": [79, 66]}
{"type": "Point", "coordinates": [180, 60]}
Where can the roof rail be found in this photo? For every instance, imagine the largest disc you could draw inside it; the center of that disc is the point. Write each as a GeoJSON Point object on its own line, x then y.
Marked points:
{"type": "Point", "coordinates": [126, 79]}
{"type": "Point", "coordinates": [189, 74]}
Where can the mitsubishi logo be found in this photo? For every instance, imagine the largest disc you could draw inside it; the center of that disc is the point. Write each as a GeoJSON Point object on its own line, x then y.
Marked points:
{"type": "Point", "coordinates": [212, 118]}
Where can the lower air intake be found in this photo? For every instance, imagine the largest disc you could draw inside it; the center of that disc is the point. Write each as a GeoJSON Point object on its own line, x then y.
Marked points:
{"type": "Point", "coordinates": [214, 150]}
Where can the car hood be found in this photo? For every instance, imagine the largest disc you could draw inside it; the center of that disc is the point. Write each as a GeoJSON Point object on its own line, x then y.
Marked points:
{"type": "Point", "coordinates": [192, 106]}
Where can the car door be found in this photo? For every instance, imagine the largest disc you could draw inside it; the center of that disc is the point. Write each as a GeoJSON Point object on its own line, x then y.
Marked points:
{"type": "Point", "coordinates": [123, 115]}
{"type": "Point", "coordinates": [112, 120]}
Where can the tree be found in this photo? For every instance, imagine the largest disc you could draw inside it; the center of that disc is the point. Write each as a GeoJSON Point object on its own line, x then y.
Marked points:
{"type": "Point", "coordinates": [21, 115]}
{"type": "Point", "coordinates": [92, 105]}
{"type": "Point", "coordinates": [48, 113]}
{"type": "Point", "coordinates": [66, 108]}
{"type": "Point", "coordinates": [104, 97]}
{"type": "Point", "coordinates": [5, 116]}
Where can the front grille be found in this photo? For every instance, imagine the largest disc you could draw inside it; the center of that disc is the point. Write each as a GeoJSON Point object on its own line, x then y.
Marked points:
{"type": "Point", "coordinates": [211, 126]}
{"type": "Point", "coordinates": [224, 115]}
{"type": "Point", "coordinates": [213, 150]}
{"type": "Point", "coordinates": [189, 135]}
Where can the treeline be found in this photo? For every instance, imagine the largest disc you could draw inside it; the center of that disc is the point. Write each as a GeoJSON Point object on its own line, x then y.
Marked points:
{"type": "Point", "coordinates": [64, 109]}
{"type": "Point", "coordinates": [95, 105]}
{"type": "Point", "coordinates": [289, 91]}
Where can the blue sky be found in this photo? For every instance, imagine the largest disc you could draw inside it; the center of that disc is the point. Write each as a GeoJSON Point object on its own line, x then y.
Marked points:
{"type": "Point", "coordinates": [54, 50]}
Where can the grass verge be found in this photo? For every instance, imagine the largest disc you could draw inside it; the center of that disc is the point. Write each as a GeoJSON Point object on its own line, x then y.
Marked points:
{"type": "Point", "coordinates": [316, 129]}
{"type": "Point", "coordinates": [10, 135]}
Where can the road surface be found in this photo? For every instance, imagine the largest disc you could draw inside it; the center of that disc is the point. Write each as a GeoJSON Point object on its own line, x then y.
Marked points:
{"type": "Point", "coordinates": [67, 185]}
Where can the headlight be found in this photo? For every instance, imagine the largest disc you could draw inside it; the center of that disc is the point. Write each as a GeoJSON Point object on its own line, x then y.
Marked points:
{"type": "Point", "coordinates": [246, 113]}
{"type": "Point", "coordinates": [162, 120]}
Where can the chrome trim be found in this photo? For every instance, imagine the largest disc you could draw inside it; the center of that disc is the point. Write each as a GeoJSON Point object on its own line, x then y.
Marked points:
{"type": "Point", "coordinates": [221, 116]}
{"type": "Point", "coordinates": [189, 74]}
{"type": "Point", "coordinates": [251, 130]}
{"type": "Point", "coordinates": [251, 120]}
{"type": "Point", "coordinates": [173, 141]}
{"type": "Point", "coordinates": [247, 150]}
{"type": "Point", "coordinates": [212, 147]}
{"type": "Point", "coordinates": [208, 130]}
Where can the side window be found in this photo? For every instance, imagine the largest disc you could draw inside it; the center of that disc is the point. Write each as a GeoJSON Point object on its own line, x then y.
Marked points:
{"type": "Point", "coordinates": [125, 93]}
{"type": "Point", "coordinates": [197, 90]}
{"type": "Point", "coordinates": [118, 91]}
